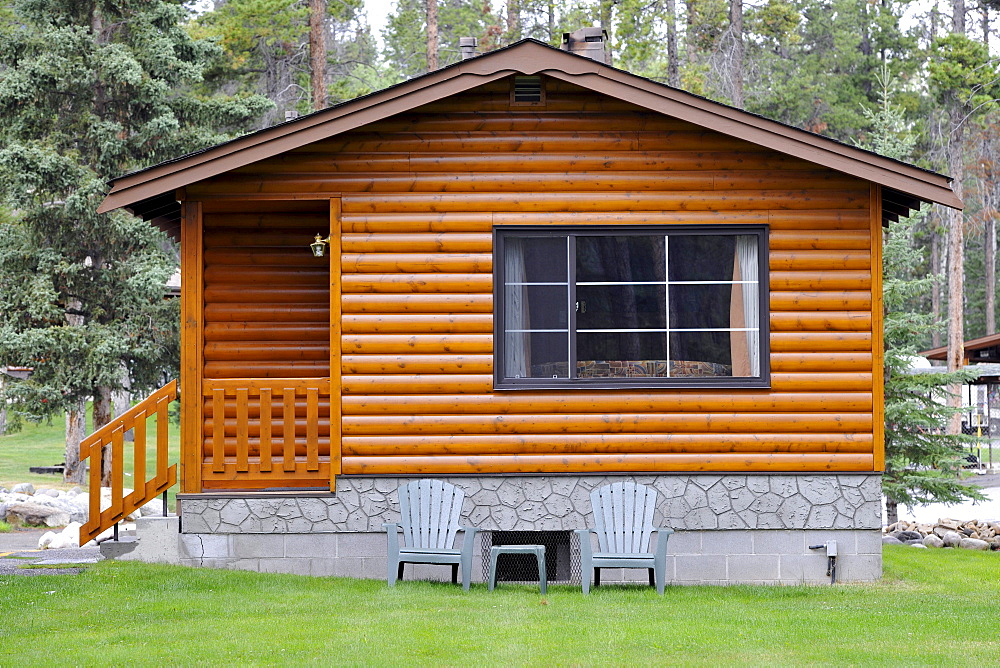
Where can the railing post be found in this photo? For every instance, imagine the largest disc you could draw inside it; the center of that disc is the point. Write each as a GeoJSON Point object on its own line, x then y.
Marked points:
{"type": "Point", "coordinates": [265, 430]}
{"type": "Point", "coordinates": [288, 448]}
{"type": "Point", "coordinates": [312, 429]}
{"type": "Point", "coordinates": [218, 430]}
{"type": "Point", "coordinates": [242, 431]}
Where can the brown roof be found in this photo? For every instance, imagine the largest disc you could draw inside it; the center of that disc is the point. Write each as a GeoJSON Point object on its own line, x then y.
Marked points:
{"type": "Point", "coordinates": [971, 346]}
{"type": "Point", "coordinates": [150, 192]}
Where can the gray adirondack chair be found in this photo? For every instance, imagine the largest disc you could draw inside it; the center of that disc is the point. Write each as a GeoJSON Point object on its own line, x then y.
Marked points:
{"type": "Point", "coordinates": [429, 512]}
{"type": "Point", "coordinates": [623, 515]}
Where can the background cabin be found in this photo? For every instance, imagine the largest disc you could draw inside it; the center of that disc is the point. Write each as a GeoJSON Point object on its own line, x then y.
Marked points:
{"type": "Point", "coordinates": [539, 274]}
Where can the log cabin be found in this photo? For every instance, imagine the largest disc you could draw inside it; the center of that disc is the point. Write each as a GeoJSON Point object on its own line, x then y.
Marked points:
{"type": "Point", "coordinates": [529, 274]}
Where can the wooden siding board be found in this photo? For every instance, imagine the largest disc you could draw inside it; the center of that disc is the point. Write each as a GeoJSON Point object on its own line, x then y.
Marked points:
{"type": "Point", "coordinates": [878, 340]}
{"type": "Point", "coordinates": [192, 345]}
{"type": "Point", "coordinates": [336, 336]}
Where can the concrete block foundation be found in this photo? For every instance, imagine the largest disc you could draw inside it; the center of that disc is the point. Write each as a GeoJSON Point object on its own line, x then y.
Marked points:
{"type": "Point", "coordinates": [729, 528]}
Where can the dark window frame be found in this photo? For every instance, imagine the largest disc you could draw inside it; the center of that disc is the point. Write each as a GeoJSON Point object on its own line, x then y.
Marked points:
{"type": "Point", "coordinates": [500, 382]}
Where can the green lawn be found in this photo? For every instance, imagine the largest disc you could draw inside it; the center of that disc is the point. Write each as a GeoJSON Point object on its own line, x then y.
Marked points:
{"type": "Point", "coordinates": [933, 607]}
{"type": "Point", "coordinates": [44, 445]}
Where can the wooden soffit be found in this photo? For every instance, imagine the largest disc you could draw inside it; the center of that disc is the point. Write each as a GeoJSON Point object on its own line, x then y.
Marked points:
{"type": "Point", "coordinates": [146, 192]}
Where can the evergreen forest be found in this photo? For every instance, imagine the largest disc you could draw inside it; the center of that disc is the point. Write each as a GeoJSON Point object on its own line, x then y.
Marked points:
{"type": "Point", "coordinates": [93, 89]}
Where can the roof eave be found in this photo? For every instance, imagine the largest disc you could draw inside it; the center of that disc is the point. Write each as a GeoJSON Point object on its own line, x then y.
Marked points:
{"type": "Point", "coordinates": [814, 148]}
{"type": "Point", "coordinates": [530, 58]}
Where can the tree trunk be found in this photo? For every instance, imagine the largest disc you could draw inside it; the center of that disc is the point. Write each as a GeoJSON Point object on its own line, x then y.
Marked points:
{"type": "Point", "coordinates": [935, 269]}
{"type": "Point", "coordinates": [432, 35]}
{"type": "Point", "coordinates": [317, 52]}
{"type": "Point", "coordinates": [891, 511]}
{"type": "Point", "coordinates": [604, 7]}
{"type": "Point", "coordinates": [736, 67]}
{"type": "Point", "coordinates": [3, 412]}
{"type": "Point", "coordinates": [956, 237]}
{"type": "Point", "coordinates": [984, 18]}
{"type": "Point", "coordinates": [956, 265]}
{"type": "Point", "coordinates": [513, 20]}
{"type": "Point", "coordinates": [991, 278]}
{"type": "Point", "coordinates": [76, 426]}
{"type": "Point", "coordinates": [102, 415]}
{"type": "Point", "coordinates": [692, 12]}
{"type": "Point", "coordinates": [121, 401]}
{"type": "Point", "coordinates": [673, 67]}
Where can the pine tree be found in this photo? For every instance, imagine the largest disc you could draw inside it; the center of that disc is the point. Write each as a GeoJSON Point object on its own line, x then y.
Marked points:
{"type": "Point", "coordinates": [267, 50]}
{"type": "Point", "coordinates": [923, 464]}
{"type": "Point", "coordinates": [89, 90]}
{"type": "Point", "coordinates": [406, 36]}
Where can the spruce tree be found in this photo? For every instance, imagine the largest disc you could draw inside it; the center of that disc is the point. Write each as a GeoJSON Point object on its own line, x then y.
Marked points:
{"type": "Point", "coordinates": [923, 463]}
{"type": "Point", "coordinates": [88, 91]}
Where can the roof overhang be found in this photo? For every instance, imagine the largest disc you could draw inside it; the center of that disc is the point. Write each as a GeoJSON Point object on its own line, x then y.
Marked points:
{"type": "Point", "coordinates": [151, 193]}
{"type": "Point", "coordinates": [988, 345]}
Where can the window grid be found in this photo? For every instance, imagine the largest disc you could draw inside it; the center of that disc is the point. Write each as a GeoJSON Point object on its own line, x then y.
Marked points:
{"type": "Point", "coordinates": [666, 294]}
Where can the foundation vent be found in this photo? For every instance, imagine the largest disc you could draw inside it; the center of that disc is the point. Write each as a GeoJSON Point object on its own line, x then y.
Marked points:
{"type": "Point", "coordinates": [562, 558]}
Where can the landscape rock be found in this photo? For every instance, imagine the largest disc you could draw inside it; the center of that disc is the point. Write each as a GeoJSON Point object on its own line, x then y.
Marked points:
{"type": "Point", "coordinates": [37, 514]}
{"type": "Point", "coordinates": [974, 544]}
{"type": "Point", "coordinates": [917, 543]}
{"type": "Point", "coordinates": [947, 532]}
{"type": "Point", "coordinates": [933, 540]}
{"type": "Point", "coordinates": [891, 540]}
{"type": "Point", "coordinates": [68, 537]}
{"type": "Point", "coordinates": [45, 491]}
{"type": "Point", "coordinates": [952, 538]}
{"type": "Point", "coordinates": [24, 488]}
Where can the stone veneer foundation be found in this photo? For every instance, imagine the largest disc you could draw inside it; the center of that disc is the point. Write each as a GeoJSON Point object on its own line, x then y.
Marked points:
{"type": "Point", "coordinates": [730, 528]}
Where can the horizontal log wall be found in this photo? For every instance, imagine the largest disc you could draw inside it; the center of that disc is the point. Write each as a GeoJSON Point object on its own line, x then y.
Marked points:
{"type": "Point", "coordinates": [421, 193]}
{"type": "Point", "coordinates": [267, 310]}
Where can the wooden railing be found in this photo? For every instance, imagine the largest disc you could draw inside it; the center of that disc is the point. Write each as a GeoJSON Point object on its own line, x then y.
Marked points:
{"type": "Point", "coordinates": [268, 431]}
{"type": "Point", "coordinates": [113, 433]}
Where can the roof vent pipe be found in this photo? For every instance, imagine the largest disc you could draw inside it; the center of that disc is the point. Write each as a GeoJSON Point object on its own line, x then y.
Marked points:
{"type": "Point", "coordinates": [467, 45]}
{"type": "Point", "coordinates": [588, 42]}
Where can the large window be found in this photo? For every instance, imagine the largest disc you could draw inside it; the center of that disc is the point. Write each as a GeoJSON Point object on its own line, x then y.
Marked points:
{"type": "Point", "coordinates": [627, 307]}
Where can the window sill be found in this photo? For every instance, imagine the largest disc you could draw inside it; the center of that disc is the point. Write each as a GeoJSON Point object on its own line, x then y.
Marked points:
{"type": "Point", "coordinates": [634, 384]}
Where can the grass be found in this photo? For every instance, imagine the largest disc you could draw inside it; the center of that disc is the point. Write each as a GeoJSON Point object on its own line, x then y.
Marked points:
{"type": "Point", "coordinates": [4, 527]}
{"type": "Point", "coordinates": [932, 607]}
{"type": "Point", "coordinates": [44, 444]}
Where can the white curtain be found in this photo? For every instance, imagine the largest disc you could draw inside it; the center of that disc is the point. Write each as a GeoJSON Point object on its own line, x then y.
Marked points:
{"type": "Point", "coordinates": [516, 343]}
{"type": "Point", "coordinates": [746, 254]}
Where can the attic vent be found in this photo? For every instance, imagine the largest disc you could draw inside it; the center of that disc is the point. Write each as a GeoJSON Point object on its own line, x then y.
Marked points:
{"type": "Point", "coordinates": [527, 91]}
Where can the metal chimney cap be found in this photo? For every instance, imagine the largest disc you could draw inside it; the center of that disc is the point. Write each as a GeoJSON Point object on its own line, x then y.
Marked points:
{"type": "Point", "coordinates": [467, 46]}
{"type": "Point", "coordinates": [591, 34]}
{"type": "Point", "coordinates": [588, 42]}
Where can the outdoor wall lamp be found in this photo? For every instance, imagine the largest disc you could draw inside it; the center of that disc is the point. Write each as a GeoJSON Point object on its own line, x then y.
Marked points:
{"type": "Point", "coordinates": [319, 246]}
